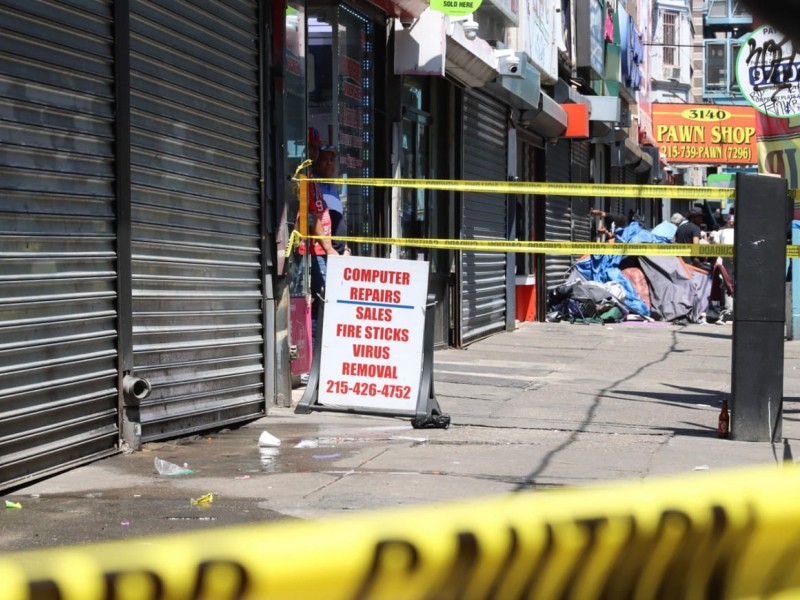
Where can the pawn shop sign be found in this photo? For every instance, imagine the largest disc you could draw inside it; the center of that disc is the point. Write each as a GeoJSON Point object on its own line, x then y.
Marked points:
{"type": "Point", "coordinates": [456, 8]}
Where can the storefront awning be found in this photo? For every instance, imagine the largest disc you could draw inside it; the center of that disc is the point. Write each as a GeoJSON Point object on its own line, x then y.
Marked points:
{"type": "Point", "coordinates": [604, 108]}
{"type": "Point", "coordinates": [523, 91]}
{"type": "Point", "coordinates": [636, 157]}
{"type": "Point", "coordinates": [401, 9]}
{"type": "Point", "coordinates": [472, 62]}
{"type": "Point", "coordinates": [655, 163]}
{"type": "Point", "coordinates": [548, 120]}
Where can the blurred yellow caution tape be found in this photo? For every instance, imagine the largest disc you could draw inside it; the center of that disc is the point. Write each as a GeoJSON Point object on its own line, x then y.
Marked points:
{"type": "Point", "coordinates": [204, 500]}
{"type": "Point", "coordinates": [573, 248]}
{"type": "Point", "coordinates": [543, 188]}
{"type": "Point", "coordinates": [732, 534]}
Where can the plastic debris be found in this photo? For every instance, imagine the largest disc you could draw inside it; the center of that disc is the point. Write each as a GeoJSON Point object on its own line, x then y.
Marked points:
{"type": "Point", "coordinates": [701, 468]}
{"type": "Point", "coordinates": [164, 467]}
{"type": "Point", "coordinates": [325, 456]}
{"type": "Point", "coordinates": [10, 504]}
{"type": "Point", "coordinates": [307, 444]}
{"type": "Point", "coordinates": [203, 500]}
{"type": "Point", "coordinates": [125, 523]}
{"type": "Point", "coordinates": [267, 456]}
{"type": "Point", "coordinates": [240, 477]}
{"type": "Point", "coordinates": [409, 438]}
{"type": "Point", "coordinates": [268, 440]}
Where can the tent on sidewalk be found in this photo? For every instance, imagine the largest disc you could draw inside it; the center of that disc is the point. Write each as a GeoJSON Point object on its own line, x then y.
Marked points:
{"type": "Point", "coordinates": [659, 287]}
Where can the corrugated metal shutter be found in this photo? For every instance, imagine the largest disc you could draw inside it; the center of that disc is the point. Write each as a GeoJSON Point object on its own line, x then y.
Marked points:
{"type": "Point", "coordinates": [617, 205]}
{"type": "Point", "coordinates": [196, 214]}
{"type": "Point", "coordinates": [632, 205]}
{"type": "Point", "coordinates": [558, 217]}
{"type": "Point", "coordinates": [483, 217]}
{"type": "Point", "coordinates": [58, 348]}
{"type": "Point", "coordinates": [581, 220]}
{"type": "Point", "coordinates": [644, 206]}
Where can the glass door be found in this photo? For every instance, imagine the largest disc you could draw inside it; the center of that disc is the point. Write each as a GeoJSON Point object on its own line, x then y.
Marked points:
{"type": "Point", "coordinates": [415, 221]}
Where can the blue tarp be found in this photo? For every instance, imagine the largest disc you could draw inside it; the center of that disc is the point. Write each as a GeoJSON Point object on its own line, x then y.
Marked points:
{"type": "Point", "coordinates": [605, 268]}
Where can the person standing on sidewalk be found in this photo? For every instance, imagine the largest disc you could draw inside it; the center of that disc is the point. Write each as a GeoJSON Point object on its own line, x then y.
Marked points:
{"type": "Point", "coordinates": [689, 232]}
{"type": "Point", "coordinates": [319, 225]}
{"type": "Point", "coordinates": [324, 167]}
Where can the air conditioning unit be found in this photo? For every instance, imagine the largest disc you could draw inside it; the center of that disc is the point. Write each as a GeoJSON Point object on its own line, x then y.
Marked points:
{"type": "Point", "coordinates": [716, 78]}
{"type": "Point", "coordinates": [672, 73]}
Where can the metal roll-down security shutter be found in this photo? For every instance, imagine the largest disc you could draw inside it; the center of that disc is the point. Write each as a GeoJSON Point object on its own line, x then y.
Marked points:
{"type": "Point", "coordinates": [58, 340]}
{"type": "Point", "coordinates": [198, 331]}
{"type": "Point", "coordinates": [558, 217]}
{"type": "Point", "coordinates": [617, 205]}
{"type": "Point", "coordinates": [581, 219]}
{"type": "Point", "coordinates": [483, 217]}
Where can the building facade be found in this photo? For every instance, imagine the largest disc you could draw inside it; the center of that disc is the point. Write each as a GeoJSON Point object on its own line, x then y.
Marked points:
{"type": "Point", "coordinates": [146, 202]}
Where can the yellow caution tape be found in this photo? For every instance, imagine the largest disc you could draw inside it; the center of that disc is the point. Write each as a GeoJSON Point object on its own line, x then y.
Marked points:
{"type": "Point", "coordinates": [203, 500]}
{"type": "Point", "coordinates": [573, 248]}
{"type": "Point", "coordinates": [712, 535]}
{"type": "Point", "coordinates": [306, 163]}
{"type": "Point", "coordinates": [544, 188]}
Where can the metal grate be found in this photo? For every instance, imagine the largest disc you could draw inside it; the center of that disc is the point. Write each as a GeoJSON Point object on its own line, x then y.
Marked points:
{"type": "Point", "coordinates": [196, 213]}
{"type": "Point", "coordinates": [58, 338]}
{"type": "Point", "coordinates": [671, 38]}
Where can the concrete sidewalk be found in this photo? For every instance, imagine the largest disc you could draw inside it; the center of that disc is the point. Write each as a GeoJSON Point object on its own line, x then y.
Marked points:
{"type": "Point", "coordinates": [544, 406]}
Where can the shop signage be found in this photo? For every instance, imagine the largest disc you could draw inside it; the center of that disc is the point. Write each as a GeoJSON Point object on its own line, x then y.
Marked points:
{"type": "Point", "coordinates": [577, 120]}
{"type": "Point", "coordinates": [372, 334]}
{"type": "Point", "coordinates": [456, 8]}
{"type": "Point", "coordinates": [539, 40]}
{"type": "Point", "coordinates": [779, 149]}
{"type": "Point", "coordinates": [706, 133]}
{"type": "Point", "coordinates": [589, 26]}
{"type": "Point", "coordinates": [420, 50]}
{"type": "Point", "coordinates": [768, 73]}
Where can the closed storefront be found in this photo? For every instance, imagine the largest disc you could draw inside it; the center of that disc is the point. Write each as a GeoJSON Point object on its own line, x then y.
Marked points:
{"type": "Point", "coordinates": [134, 209]}
{"type": "Point", "coordinates": [482, 275]}
{"type": "Point", "coordinates": [581, 220]}
{"type": "Point", "coordinates": [198, 329]}
{"type": "Point", "coordinates": [567, 218]}
{"type": "Point", "coordinates": [58, 284]}
{"type": "Point", "coordinates": [618, 205]}
{"type": "Point", "coordinates": [558, 216]}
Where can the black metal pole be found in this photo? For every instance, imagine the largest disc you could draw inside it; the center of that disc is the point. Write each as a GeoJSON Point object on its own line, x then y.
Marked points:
{"type": "Point", "coordinates": [759, 308]}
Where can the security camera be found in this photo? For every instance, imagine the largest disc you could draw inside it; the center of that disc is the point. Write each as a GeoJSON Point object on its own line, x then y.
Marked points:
{"type": "Point", "coordinates": [406, 22]}
{"type": "Point", "coordinates": [509, 64]}
{"type": "Point", "coordinates": [512, 63]}
{"type": "Point", "coordinates": [470, 29]}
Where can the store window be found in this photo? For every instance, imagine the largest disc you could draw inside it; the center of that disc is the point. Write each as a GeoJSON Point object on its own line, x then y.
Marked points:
{"type": "Point", "coordinates": [414, 210]}
{"type": "Point", "coordinates": [295, 86]}
{"type": "Point", "coordinates": [341, 73]}
{"type": "Point", "coordinates": [295, 130]}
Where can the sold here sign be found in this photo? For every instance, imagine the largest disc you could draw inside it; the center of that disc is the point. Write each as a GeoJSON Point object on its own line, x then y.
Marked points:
{"type": "Point", "coordinates": [372, 333]}
{"type": "Point", "coordinates": [706, 133]}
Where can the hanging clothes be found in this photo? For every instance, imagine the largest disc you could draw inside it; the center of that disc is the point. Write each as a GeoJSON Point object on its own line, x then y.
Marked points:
{"type": "Point", "coordinates": [608, 34]}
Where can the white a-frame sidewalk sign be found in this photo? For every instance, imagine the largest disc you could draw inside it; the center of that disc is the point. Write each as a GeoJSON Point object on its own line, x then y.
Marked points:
{"type": "Point", "coordinates": [374, 349]}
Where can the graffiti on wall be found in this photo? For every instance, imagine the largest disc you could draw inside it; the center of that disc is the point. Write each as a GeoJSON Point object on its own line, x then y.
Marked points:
{"type": "Point", "coordinates": [768, 73]}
